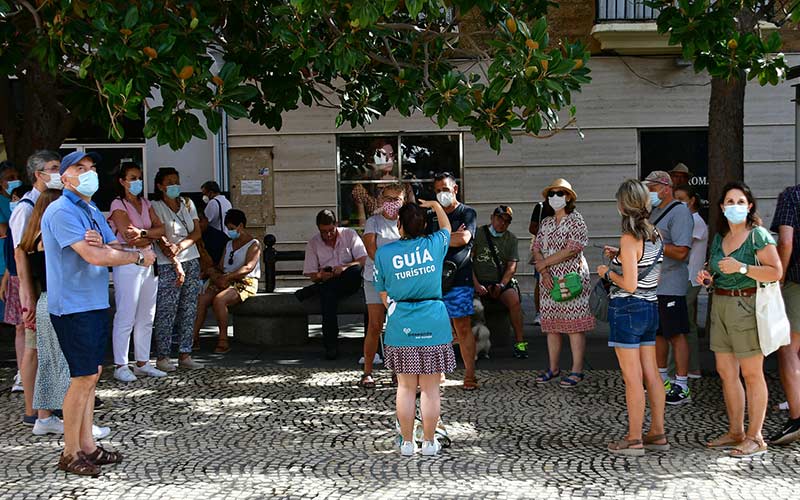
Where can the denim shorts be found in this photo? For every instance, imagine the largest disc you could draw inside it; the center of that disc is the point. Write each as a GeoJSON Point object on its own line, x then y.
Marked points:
{"type": "Point", "coordinates": [458, 301]}
{"type": "Point", "coordinates": [633, 322]}
{"type": "Point", "coordinates": [83, 338]}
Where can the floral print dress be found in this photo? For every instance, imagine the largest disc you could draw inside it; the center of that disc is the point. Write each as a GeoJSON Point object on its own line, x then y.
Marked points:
{"type": "Point", "coordinates": [572, 316]}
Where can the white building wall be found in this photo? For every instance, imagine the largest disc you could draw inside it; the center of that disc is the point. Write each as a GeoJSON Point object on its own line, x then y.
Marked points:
{"type": "Point", "coordinates": [626, 95]}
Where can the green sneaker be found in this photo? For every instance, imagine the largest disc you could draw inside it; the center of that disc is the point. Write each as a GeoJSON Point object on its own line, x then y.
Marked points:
{"type": "Point", "coordinates": [521, 350]}
{"type": "Point", "coordinates": [667, 386]}
{"type": "Point", "coordinates": [678, 395]}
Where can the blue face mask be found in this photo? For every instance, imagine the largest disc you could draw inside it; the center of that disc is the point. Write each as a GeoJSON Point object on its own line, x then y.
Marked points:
{"type": "Point", "coordinates": [174, 191]}
{"type": "Point", "coordinates": [12, 205]}
{"type": "Point", "coordinates": [494, 232]}
{"type": "Point", "coordinates": [12, 185]}
{"type": "Point", "coordinates": [233, 234]}
{"type": "Point", "coordinates": [136, 187]}
{"type": "Point", "coordinates": [654, 200]}
{"type": "Point", "coordinates": [736, 214]}
{"type": "Point", "coordinates": [89, 183]}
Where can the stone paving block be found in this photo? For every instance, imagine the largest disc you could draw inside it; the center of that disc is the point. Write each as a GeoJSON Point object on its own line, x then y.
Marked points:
{"type": "Point", "coordinates": [271, 432]}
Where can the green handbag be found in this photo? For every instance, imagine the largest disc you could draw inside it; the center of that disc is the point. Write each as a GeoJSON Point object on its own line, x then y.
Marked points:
{"type": "Point", "coordinates": [566, 287]}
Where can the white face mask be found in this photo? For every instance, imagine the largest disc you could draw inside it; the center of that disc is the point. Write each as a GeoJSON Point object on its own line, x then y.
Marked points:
{"type": "Point", "coordinates": [55, 182]}
{"type": "Point", "coordinates": [206, 199]}
{"type": "Point", "coordinates": [557, 202]}
{"type": "Point", "coordinates": [445, 198]}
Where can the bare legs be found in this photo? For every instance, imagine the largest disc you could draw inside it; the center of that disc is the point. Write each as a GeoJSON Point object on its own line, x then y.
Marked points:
{"type": "Point", "coordinates": [680, 349]}
{"type": "Point", "coordinates": [577, 342]}
{"type": "Point", "coordinates": [430, 403]}
{"type": "Point", "coordinates": [466, 344]}
{"type": "Point", "coordinates": [639, 366]}
{"type": "Point", "coordinates": [219, 302]}
{"type": "Point", "coordinates": [510, 299]}
{"type": "Point", "coordinates": [377, 314]}
{"type": "Point", "coordinates": [789, 360]}
{"type": "Point", "coordinates": [752, 369]}
{"type": "Point", "coordinates": [79, 414]}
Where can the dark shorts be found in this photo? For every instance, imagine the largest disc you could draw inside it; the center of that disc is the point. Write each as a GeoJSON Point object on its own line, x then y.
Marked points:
{"type": "Point", "coordinates": [458, 301]}
{"type": "Point", "coordinates": [83, 338]}
{"type": "Point", "coordinates": [633, 322]}
{"type": "Point", "coordinates": [673, 315]}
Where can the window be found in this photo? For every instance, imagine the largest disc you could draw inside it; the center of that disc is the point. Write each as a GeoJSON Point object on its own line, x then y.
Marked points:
{"type": "Point", "coordinates": [663, 149]}
{"type": "Point", "coordinates": [367, 163]}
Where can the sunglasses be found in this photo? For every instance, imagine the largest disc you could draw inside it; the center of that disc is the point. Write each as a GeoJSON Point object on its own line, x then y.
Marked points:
{"type": "Point", "coordinates": [230, 259]}
{"type": "Point", "coordinates": [560, 194]}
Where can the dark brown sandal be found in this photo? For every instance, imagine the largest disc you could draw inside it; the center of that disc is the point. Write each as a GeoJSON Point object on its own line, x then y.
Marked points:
{"type": "Point", "coordinates": [651, 443]}
{"type": "Point", "coordinates": [101, 456]}
{"type": "Point", "coordinates": [80, 465]}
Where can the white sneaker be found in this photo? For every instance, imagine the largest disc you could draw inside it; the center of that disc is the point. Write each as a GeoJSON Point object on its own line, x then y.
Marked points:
{"type": "Point", "coordinates": [148, 370]}
{"type": "Point", "coordinates": [166, 365]}
{"type": "Point", "coordinates": [431, 448]}
{"type": "Point", "coordinates": [17, 386]}
{"type": "Point", "coordinates": [375, 361]}
{"type": "Point", "coordinates": [124, 374]}
{"type": "Point", "coordinates": [408, 448]}
{"type": "Point", "coordinates": [100, 432]}
{"type": "Point", "coordinates": [189, 363]}
{"type": "Point", "coordinates": [49, 425]}
{"type": "Point", "coordinates": [537, 320]}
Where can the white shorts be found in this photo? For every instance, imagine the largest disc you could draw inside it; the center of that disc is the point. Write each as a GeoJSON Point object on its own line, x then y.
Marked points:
{"type": "Point", "coordinates": [371, 295]}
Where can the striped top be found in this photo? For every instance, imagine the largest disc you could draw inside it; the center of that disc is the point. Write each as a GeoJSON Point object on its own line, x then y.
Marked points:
{"type": "Point", "coordinates": [647, 287]}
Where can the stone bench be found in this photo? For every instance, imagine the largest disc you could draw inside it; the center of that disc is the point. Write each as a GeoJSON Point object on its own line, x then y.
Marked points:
{"type": "Point", "coordinates": [279, 319]}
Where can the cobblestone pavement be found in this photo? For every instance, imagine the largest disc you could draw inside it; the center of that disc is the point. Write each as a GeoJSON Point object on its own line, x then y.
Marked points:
{"type": "Point", "coordinates": [312, 433]}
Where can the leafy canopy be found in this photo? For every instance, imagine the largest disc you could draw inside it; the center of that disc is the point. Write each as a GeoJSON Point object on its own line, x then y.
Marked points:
{"type": "Point", "coordinates": [729, 38]}
{"type": "Point", "coordinates": [486, 65]}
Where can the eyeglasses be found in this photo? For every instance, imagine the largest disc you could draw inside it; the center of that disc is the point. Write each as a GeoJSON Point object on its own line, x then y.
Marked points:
{"type": "Point", "coordinates": [230, 259]}
{"type": "Point", "coordinates": [560, 194]}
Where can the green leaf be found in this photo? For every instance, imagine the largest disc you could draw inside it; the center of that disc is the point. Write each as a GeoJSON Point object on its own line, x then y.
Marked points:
{"type": "Point", "coordinates": [131, 17]}
{"type": "Point", "coordinates": [414, 7]}
{"type": "Point", "coordinates": [234, 109]}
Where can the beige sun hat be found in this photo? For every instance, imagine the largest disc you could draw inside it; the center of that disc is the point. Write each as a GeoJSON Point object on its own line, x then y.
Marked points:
{"type": "Point", "coordinates": [560, 184]}
{"type": "Point", "coordinates": [681, 169]}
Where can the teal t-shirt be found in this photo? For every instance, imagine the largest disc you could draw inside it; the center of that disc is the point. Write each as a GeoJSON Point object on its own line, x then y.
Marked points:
{"type": "Point", "coordinates": [758, 239]}
{"type": "Point", "coordinates": [5, 215]}
{"type": "Point", "coordinates": [410, 270]}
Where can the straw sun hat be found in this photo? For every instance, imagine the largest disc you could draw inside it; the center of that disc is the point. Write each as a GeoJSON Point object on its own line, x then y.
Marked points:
{"type": "Point", "coordinates": [562, 185]}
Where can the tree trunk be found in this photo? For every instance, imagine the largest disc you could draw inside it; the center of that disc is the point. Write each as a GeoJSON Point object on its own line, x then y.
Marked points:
{"type": "Point", "coordinates": [725, 140]}
{"type": "Point", "coordinates": [31, 114]}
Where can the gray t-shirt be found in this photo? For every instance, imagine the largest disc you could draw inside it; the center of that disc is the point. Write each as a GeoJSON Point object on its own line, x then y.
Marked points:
{"type": "Point", "coordinates": [676, 229]}
{"type": "Point", "coordinates": [385, 232]}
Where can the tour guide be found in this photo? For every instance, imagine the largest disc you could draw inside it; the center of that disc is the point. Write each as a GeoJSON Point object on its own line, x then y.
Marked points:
{"type": "Point", "coordinates": [408, 276]}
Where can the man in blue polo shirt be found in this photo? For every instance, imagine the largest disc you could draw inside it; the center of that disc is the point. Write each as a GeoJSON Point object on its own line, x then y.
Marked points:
{"type": "Point", "coordinates": [79, 245]}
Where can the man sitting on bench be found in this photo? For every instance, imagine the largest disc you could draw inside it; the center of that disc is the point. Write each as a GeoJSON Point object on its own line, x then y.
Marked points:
{"type": "Point", "coordinates": [334, 259]}
{"type": "Point", "coordinates": [494, 263]}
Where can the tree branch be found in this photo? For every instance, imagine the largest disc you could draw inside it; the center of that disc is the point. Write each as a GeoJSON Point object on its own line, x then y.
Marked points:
{"type": "Point", "coordinates": [34, 12]}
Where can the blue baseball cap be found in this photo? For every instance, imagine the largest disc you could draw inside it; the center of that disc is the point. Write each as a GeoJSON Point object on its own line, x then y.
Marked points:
{"type": "Point", "coordinates": [74, 157]}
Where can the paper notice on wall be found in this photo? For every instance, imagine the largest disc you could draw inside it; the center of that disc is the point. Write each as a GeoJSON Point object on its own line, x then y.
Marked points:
{"type": "Point", "coordinates": [251, 188]}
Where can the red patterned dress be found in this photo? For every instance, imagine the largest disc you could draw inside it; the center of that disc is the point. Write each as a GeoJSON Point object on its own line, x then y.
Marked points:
{"type": "Point", "coordinates": [572, 316]}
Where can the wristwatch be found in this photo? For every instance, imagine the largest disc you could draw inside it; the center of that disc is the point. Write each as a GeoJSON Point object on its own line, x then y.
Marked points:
{"type": "Point", "coordinates": [140, 260]}
{"type": "Point", "coordinates": [143, 233]}
{"type": "Point", "coordinates": [743, 269]}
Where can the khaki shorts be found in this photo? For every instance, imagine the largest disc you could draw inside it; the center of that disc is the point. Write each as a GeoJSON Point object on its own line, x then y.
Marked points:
{"type": "Point", "coordinates": [791, 299]}
{"type": "Point", "coordinates": [733, 326]}
{"type": "Point", "coordinates": [30, 339]}
{"type": "Point", "coordinates": [245, 287]}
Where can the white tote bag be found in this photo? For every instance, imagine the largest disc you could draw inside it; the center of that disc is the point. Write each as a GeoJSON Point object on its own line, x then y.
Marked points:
{"type": "Point", "coordinates": [773, 324]}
